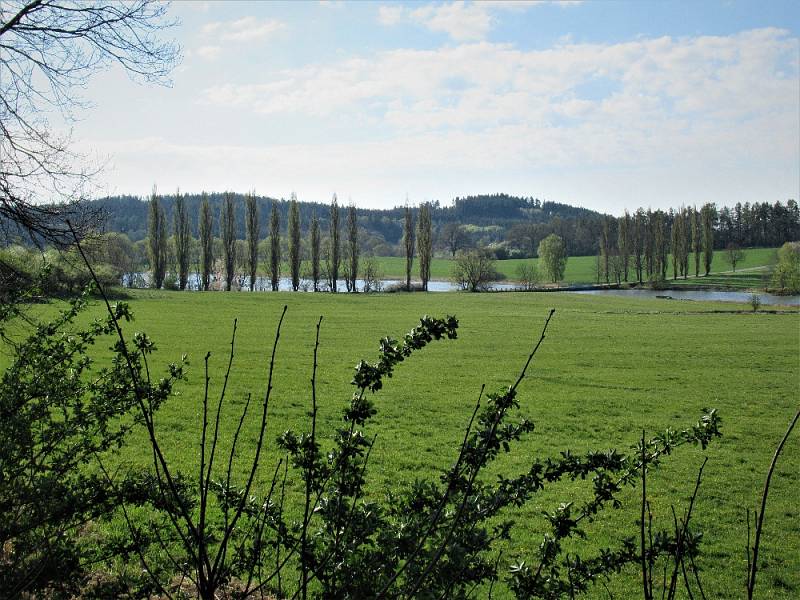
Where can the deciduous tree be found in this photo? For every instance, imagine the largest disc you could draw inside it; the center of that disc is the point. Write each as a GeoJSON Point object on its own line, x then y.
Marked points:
{"type": "Point", "coordinates": [408, 243]}
{"type": "Point", "coordinates": [553, 256]}
{"type": "Point", "coordinates": [275, 247]}
{"type": "Point", "coordinates": [253, 232]}
{"type": "Point", "coordinates": [315, 252]}
{"type": "Point", "coordinates": [333, 258]}
{"type": "Point", "coordinates": [157, 240]}
{"type": "Point", "coordinates": [49, 51]}
{"type": "Point", "coordinates": [425, 243]}
{"type": "Point", "coordinates": [295, 250]}
{"type": "Point", "coordinates": [206, 228]}
{"type": "Point", "coordinates": [227, 222]}
{"type": "Point", "coordinates": [183, 239]}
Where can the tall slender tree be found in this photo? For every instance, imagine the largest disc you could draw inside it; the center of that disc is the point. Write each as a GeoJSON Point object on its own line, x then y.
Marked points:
{"type": "Point", "coordinates": [637, 242]}
{"type": "Point", "coordinates": [315, 251]}
{"type": "Point", "coordinates": [206, 229]}
{"type": "Point", "coordinates": [275, 247]}
{"type": "Point", "coordinates": [227, 222]}
{"type": "Point", "coordinates": [253, 232]}
{"type": "Point", "coordinates": [408, 243]}
{"type": "Point", "coordinates": [605, 246]}
{"type": "Point", "coordinates": [707, 215]}
{"type": "Point", "coordinates": [624, 242]}
{"type": "Point", "coordinates": [677, 261]}
{"type": "Point", "coordinates": [157, 240]}
{"type": "Point", "coordinates": [352, 248]}
{"type": "Point", "coordinates": [333, 257]}
{"type": "Point", "coordinates": [424, 243]}
{"type": "Point", "coordinates": [697, 239]}
{"type": "Point", "coordinates": [295, 249]}
{"type": "Point", "coordinates": [183, 239]}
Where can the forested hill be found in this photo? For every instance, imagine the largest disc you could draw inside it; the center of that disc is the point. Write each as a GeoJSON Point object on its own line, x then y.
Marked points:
{"type": "Point", "coordinates": [508, 225]}
{"type": "Point", "coordinates": [128, 214]}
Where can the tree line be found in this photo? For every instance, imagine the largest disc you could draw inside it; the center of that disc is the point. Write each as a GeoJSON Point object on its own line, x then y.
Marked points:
{"type": "Point", "coordinates": [323, 261]}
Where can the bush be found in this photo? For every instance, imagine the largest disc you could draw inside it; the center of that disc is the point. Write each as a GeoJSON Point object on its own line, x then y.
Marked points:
{"type": "Point", "coordinates": [786, 276]}
{"type": "Point", "coordinates": [474, 271]}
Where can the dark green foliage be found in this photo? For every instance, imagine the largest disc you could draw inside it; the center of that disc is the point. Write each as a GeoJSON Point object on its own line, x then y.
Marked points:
{"type": "Point", "coordinates": [333, 257]}
{"type": "Point", "coordinates": [295, 249]}
{"type": "Point", "coordinates": [251, 217]}
{"type": "Point", "coordinates": [275, 247]}
{"type": "Point", "coordinates": [315, 252]}
{"type": "Point", "coordinates": [206, 228]}
{"type": "Point", "coordinates": [157, 241]}
{"type": "Point", "coordinates": [408, 243]}
{"type": "Point", "coordinates": [227, 223]}
{"type": "Point", "coordinates": [351, 249]}
{"type": "Point", "coordinates": [424, 244]}
{"type": "Point", "coordinates": [183, 238]}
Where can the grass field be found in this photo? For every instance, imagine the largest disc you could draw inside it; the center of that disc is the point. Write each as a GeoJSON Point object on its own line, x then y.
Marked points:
{"type": "Point", "coordinates": [608, 368]}
{"type": "Point", "coordinates": [582, 269]}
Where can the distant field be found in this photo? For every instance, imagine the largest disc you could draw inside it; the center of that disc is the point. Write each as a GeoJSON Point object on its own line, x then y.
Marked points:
{"type": "Point", "coordinates": [582, 269]}
{"type": "Point", "coordinates": [608, 368]}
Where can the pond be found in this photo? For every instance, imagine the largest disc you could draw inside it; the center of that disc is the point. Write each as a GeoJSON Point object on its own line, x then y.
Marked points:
{"type": "Point", "coordinates": [710, 296]}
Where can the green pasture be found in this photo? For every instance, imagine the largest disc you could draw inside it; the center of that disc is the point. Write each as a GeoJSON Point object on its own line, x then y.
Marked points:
{"type": "Point", "coordinates": [609, 368]}
{"type": "Point", "coordinates": [752, 272]}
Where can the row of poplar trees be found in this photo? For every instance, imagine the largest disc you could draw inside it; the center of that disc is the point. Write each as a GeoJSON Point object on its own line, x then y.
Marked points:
{"type": "Point", "coordinates": [338, 258]}
{"type": "Point", "coordinates": [638, 246]}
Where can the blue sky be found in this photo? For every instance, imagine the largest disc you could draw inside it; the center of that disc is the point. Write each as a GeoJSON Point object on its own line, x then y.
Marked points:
{"type": "Point", "coordinates": [609, 105]}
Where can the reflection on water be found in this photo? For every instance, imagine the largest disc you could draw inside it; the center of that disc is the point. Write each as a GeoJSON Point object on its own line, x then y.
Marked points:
{"type": "Point", "coordinates": [285, 285]}
{"type": "Point", "coordinates": [698, 295]}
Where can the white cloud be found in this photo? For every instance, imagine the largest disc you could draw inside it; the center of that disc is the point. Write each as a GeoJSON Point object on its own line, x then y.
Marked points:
{"type": "Point", "coordinates": [208, 52]}
{"type": "Point", "coordinates": [243, 30]}
{"type": "Point", "coordinates": [390, 15]}
{"type": "Point", "coordinates": [720, 102]}
{"type": "Point", "coordinates": [461, 21]}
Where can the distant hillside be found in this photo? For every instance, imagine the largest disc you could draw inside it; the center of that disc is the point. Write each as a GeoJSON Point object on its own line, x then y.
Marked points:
{"type": "Point", "coordinates": [492, 215]}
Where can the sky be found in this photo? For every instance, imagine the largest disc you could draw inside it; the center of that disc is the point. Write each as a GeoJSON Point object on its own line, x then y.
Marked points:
{"type": "Point", "coordinates": [602, 104]}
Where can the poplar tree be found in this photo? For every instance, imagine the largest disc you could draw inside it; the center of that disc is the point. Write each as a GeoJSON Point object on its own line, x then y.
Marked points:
{"type": "Point", "coordinates": [696, 239]}
{"type": "Point", "coordinates": [183, 237]}
{"type": "Point", "coordinates": [228, 225]}
{"type": "Point", "coordinates": [637, 242]}
{"type": "Point", "coordinates": [294, 242]}
{"type": "Point", "coordinates": [677, 262]}
{"type": "Point", "coordinates": [408, 241]}
{"type": "Point", "coordinates": [605, 247]}
{"type": "Point", "coordinates": [157, 240]}
{"type": "Point", "coordinates": [424, 244]}
{"type": "Point", "coordinates": [333, 257]}
{"type": "Point", "coordinates": [315, 251]}
{"type": "Point", "coordinates": [707, 216]}
{"type": "Point", "coordinates": [275, 247]}
{"type": "Point", "coordinates": [206, 229]}
{"type": "Point", "coordinates": [352, 247]}
{"type": "Point", "coordinates": [253, 232]}
{"type": "Point", "coordinates": [624, 242]}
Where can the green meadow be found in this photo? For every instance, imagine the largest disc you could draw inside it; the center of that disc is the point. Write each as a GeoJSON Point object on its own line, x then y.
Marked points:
{"type": "Point", "coordinates": [752, 272]}
{"type": "Point", "coordinates": [609, 368]}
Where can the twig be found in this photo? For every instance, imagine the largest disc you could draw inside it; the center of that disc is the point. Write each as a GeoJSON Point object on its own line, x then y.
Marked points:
{"type": "Point", "coordinates": [751, 579]}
